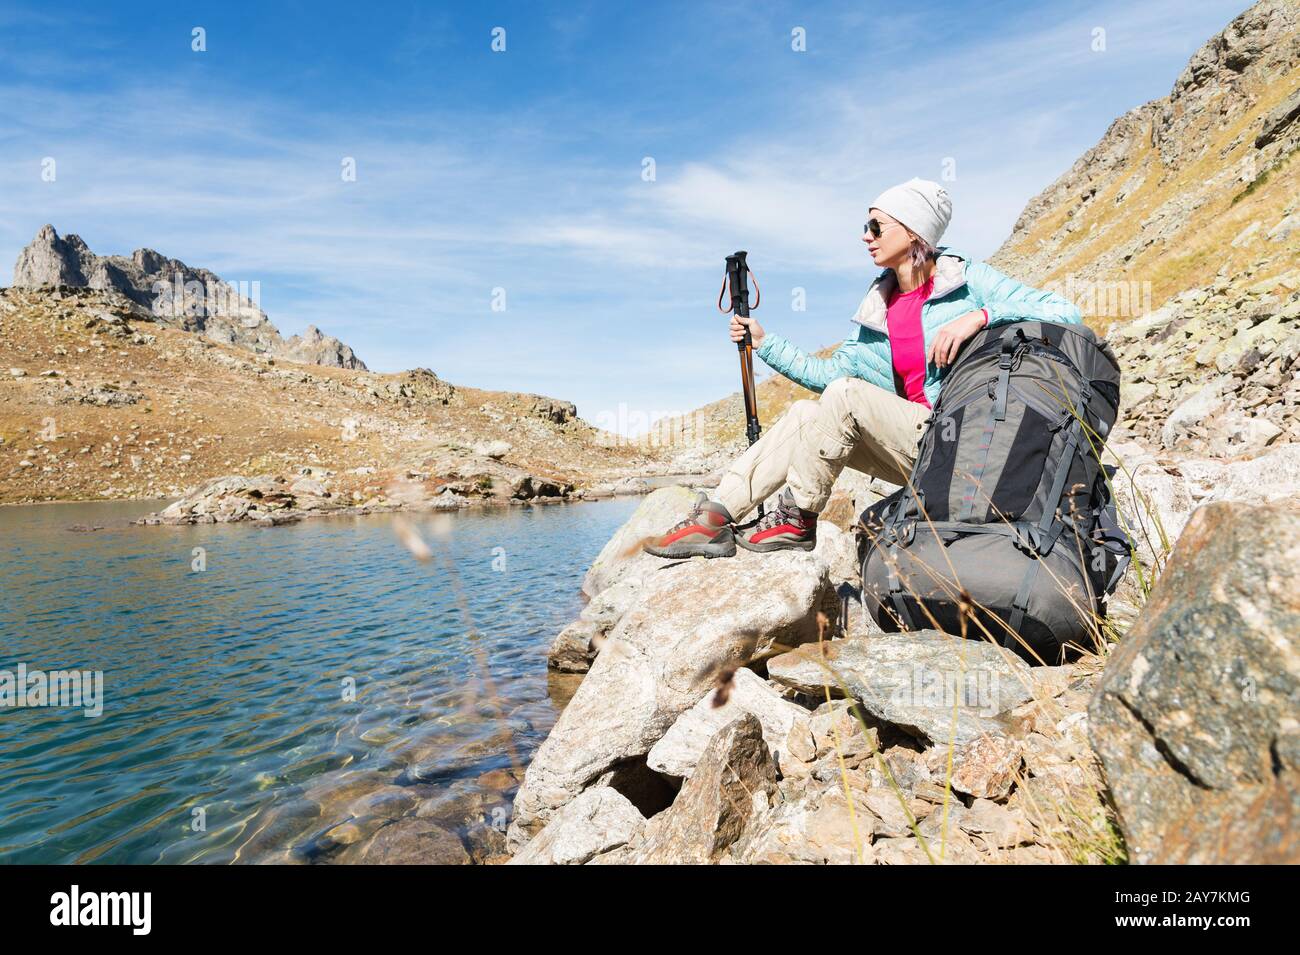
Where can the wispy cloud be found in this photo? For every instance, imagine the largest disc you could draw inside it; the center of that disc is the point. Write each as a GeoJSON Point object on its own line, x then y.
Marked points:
{"type": "Point", "coordinates": [514, 174]}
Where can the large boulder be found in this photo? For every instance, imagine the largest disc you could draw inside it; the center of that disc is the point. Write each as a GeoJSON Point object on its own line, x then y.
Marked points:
{"type": "Point", "coordinates": [1196, 719]}
{"type": "Point", "coordinates": [694, 621]}
{"type": "Point", "coordinates": [1204, 402]}
{"type": "Point", "coordinates": [1156, 500]}
{"type": "Point", "coordinates": [678, 753]}
{"type": "Point", "coordinates": [934, 685]}
{"type": "Point", "coordinates": [839, 549]}
{"type": "Point", "coordinates": [819, 828]}
{"type": "Point", "coordinates": [614, 579]}
{"type": "Point", "coordinates": [552, 409]}
{"type": "Point", "coordinates": [577, 644]}
{"type": "Point", "coordinates": [600, 820]}
{"type": "Point", "coordinates": [1271, 476]}
{"type": "Point", "coordinates": [230, 498]}
{"type": "Point", "coordinates": [496, 450]}
{"type": "Point", "coordinates": [734, 782]}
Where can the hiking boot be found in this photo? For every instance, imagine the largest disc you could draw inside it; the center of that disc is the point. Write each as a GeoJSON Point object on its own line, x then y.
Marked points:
{"type": "Point", "coordinates": [705, 532]}
{"type": "Point", "coordinates": [785, 527]}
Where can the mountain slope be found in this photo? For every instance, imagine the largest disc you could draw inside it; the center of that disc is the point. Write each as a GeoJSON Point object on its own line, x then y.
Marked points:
{"type": "Point", "coordinates": [100, 400]}
{"type": "Point", "coordinates": [1200, 182]}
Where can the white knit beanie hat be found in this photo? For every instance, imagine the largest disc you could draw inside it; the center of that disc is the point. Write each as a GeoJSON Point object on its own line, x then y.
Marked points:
{"type": "Point", "coordinates": [921, 205]}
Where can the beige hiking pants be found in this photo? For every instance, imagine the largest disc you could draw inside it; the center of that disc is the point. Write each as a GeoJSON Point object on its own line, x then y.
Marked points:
{"type": "Point", "coordinates": [853, 423]}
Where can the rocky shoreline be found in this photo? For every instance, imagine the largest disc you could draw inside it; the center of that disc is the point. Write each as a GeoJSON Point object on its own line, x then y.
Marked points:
{"type": "Point", "coordinates": [742, 711]}
{"type": "Point", "coordinates": [282, 500]}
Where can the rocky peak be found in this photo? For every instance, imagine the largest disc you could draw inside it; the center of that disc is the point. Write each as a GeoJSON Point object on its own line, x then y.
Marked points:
{"type": "Point", "coordinates": [314, 347]}
{"type": "Point", "coordinates": [194, 300]}
{"type": "Point", "coordinates": [149, 261]}
{"type": "Point", "coordinates": [1247, 39]}
{"type": "Point", "coordinates": [1260, 44]}
{"type": "Point", "coordinates": [49, 260]}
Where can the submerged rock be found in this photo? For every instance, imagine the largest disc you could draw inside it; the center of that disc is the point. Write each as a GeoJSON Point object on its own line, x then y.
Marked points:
{"type": "Point", "coordinates": [410, 841]}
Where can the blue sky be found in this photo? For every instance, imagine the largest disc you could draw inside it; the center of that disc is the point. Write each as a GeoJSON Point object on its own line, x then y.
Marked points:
{"type": "Point", "coordinates": [523, 169]}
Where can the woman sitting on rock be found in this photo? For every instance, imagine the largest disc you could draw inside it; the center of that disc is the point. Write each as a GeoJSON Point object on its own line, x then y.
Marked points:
{"type": "Point", "coordinates": [876, 390]}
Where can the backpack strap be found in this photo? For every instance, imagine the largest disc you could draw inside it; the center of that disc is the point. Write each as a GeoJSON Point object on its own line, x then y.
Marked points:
{"type": "Point", "coordinates": [899, 526]}
{"type": "Point", "coordinates": [1121, 565]}
{"type": "Point", "coordinates": [1020, 604]}
{"type": "Point", "coordinates": [1025, 535]}
{"type": "Point", "coordinates": [896, 590]}
{"type": "Point", "coordinates": [1005, 360]}
{"type": "Point", "coordinates": [986, 442]}
{"type": "Point", "coordinates": [1011, 344]}
{"type": "Point", "coordinates": [1068, 453]}
{"type": "Point", "coordinates": [896, 530]}
{"type": "Point", "coordinates": [1051, 526]}
{"type": "Point", "coordinates": [900, 531]}
{"type": "Point", "coordinates": [1108, 532]}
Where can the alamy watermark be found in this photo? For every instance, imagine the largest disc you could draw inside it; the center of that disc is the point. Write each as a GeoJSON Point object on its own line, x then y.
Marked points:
{"type": "Point", "coordinates": [129, 909]}
{"type": "Point", "coordinates": [970, 689]}
{"type": "Point", "coordinates": [1102, 299]}
{"type": "Point", "coordinates": [634, 427]}
{"type": "Point", "coordinates": [70, 689]}
{"type": "Point", "coordinates": [179, 298]}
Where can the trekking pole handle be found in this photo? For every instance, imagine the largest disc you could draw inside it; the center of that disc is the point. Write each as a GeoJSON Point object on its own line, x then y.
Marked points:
{"type": "Point", "coordinates": [738, 274]}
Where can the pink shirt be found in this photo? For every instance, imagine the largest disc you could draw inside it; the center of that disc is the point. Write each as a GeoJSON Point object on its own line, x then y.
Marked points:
{"type": "Point", "coordinates": [907, 339]}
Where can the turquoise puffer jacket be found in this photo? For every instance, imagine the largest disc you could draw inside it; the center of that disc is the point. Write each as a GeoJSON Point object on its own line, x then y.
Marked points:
{"type": "Point", "coordinates": [960, 286]}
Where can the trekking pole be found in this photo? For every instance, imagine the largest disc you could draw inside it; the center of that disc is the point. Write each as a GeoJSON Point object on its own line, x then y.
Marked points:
{"type": "Point", "coordinates": [738, 274]}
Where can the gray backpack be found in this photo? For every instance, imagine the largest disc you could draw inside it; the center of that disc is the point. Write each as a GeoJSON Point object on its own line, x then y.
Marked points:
{"type": "Point", "coordinates": [1006, 524]}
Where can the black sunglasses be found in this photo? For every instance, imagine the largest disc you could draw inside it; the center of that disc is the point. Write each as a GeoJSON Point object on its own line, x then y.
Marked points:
{"type": "Point", "coordinates": [874, 227]}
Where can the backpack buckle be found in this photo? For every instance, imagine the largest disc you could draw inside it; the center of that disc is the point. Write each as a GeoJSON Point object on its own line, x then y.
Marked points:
{"type": "Point", "coordinates": [905, 533]}
{"type": "Point", "coordinates": [1027, 538]}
